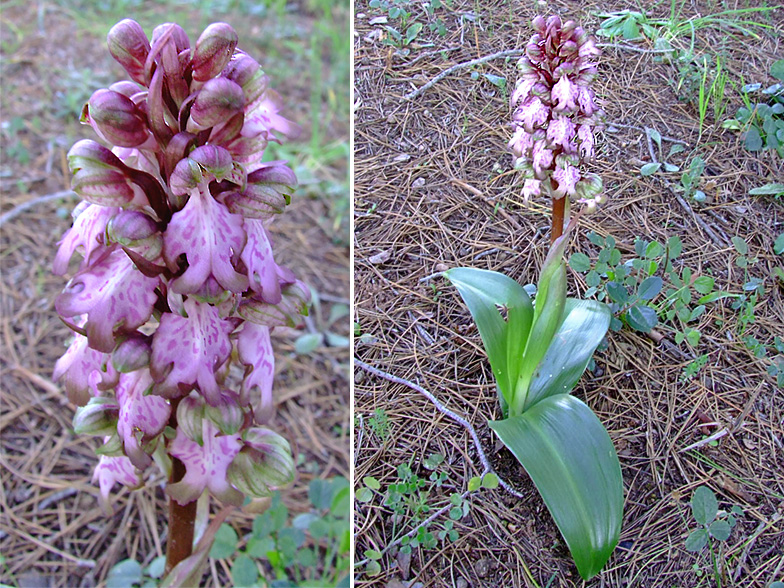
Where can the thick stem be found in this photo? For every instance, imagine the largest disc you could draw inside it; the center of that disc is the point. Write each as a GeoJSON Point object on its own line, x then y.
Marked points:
{"type": "Point", "coordinates": [179, 545]}
{"type": "Point", "coordinates": [181, 523]}
{"type": "Point", "coordinates": [559, 205]}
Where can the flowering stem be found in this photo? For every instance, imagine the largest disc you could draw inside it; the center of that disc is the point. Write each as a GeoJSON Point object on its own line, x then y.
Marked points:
{"type": "Point", "coordinates": [179, 545]}
{"type": "Point", "coordinates": [559, 205]}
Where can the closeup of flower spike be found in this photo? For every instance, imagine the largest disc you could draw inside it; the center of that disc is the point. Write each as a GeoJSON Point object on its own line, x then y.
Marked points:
{"type": "Point", "coordinates": [177, 277]}
{"type": "Point", "coordinates": [555, 116]}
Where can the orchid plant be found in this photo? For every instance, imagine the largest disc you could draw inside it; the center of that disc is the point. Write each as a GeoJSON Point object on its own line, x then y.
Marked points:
{"type": "Point", "coordinates": [177, 279]}
{"type": "Point", "coordinates": [538, 352]}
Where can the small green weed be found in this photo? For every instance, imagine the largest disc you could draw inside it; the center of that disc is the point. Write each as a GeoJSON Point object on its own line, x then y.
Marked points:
{"type": "Point", "coordinates": [630, 287]}
{"type": "Point", "coordinates": [411, 500]}
{"type": "Point", "coordinates": [14, 142]}
{"type": "Point", "coordinates": [762, 123]}
{"type": "Point", "coordinates": [314, 547]}
{"type": "Point", "coordinates": [129, 573]}
{"type": "Point", "coordinates": [378, 424]}
{"type": "Point", "coordinates": [406, 27]}
{"type": "Point", "coordinates": [324, 328]}
{"type": "Point", "coordinates": [715, 527]}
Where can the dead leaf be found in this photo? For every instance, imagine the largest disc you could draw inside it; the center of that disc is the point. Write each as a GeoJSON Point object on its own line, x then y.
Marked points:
{"type": "Point", "coordinates": [380, 258]}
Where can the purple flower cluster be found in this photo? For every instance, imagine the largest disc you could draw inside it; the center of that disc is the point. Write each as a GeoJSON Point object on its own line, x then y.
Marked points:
{"type": "Point", "coordinates": [555, 114]}
{"type": "Point", "coordinates": [177, 274]}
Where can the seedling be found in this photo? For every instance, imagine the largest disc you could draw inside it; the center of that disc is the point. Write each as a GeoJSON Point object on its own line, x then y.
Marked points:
{"type": "Point", "coordinates": [715, 526]}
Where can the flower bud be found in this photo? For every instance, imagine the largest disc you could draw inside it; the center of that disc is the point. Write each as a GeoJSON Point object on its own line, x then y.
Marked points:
{"type": "Point", "coordinates": [215, 161]}
{"type": "Point", "coordinates": [213, 51]}
{"type": "Point", "coordinates": [247, 73]}
{"type": "Point", "coordinates": [130, 228]}
{"type": "Point", "coordinates": [126, 88]}
{"type": "Point", "coordinates": [263, 465]}
{"type": "Point", "coordinates": [226, 413]}
{"type": "Point", "coordinates": [115, 118]}
{"type": "Point", "coordinates": [98, 417]}
{"type": "Point", "coordinates": [268, 191]}
{"type": "Point", "coordinates": [286, 313]}
{"type": "Point", "coordinates": [190, 414]}
{"type": "Point", "coordinates": [132, 354]}
{"type": "Point", "coordinates": [99, 176]}
{"type": "Point", "coordinates": [129, 46]}
{"type": "Point", "coordinates": [217, 102]}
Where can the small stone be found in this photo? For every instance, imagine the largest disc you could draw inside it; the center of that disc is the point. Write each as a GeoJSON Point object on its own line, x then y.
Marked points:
{"type": "Point", "coordinates": [441, 267]}
{"type": "Point", "coordinates": [461, 583]}
{"type": "Point", "coordinates": [482, 567]}
{"type": "Point", "coordinates": [418, 183]}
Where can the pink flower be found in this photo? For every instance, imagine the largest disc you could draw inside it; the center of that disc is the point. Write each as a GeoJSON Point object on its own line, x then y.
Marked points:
{"type": "Point", "coordinates": [542, 157]}
{"type": "Point", "coordinates": [205, 465]}
{"type": "Point", "coordinates": [567, 178]}
{"type": "Point", "coordinates": [585, 135]}
{"type": "Point", "coordinates": [565, 93]}
{"type": "Point", "coordinates": [531, 188]}
{"type": "Point", "coordinates": [560, 132]}
{"type": "Point", "coordinates": [585, 100]}
{"type": "Point", "coordinates": [532, 113]}
{"type": "Point", "coordinates": [114, 470]}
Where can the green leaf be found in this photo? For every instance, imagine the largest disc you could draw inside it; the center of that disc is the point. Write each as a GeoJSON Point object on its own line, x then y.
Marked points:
{"type": "Point", "coordinates": [753, 139]}
{"type": "Point", "coordinates": [433, 461]}
{"type": "Point", "coordinates": [225, 543]}
{"type": "Point", "coordinates": [259, 547]}
{"type": "Point", "coordinates": [642, 318]}
{"type": "Point", "coordinates": [654, 249]}
{"type": "Point", "coordinates": [372, 554]}
{"type": "Point", "coordinates": [654, 134]}
{"type": "Point", "coordinates": [569, 456]}
{"type": "Point", "coordinates": [474, 484]}
{"type": "Point", "coordinates": [124, 574]}
{"type": "Point", "coordinates": [371, 482]}
{"type": "Point", "coordinates": [580, 262]}
{"type": "Point", "coordinates": [617, 292]}
{"type": "Point", "coordinates": [650, 287]}
{"type": "Point", "coordinates": [630, 29]}
{"type": "Point", "coordinates": [704, 506]}
{"type": "Point", "coordinates": [649, 169]}
{"type": "Point", "coordinates": [675, 149]}
{"type": "Point", "coordinates": [483, 292]}
{"type": "Point", "coordinates": [584, 325]}
{"type": "Point", "coordinates": [768, 190]}
{"type": "Point", "coordinates": [413, 31]}
{"type": "Point", "coordinates": [718, 295]}
{"type": "Point", "coordinates": [156, 567]}
{"type": "Point", "coordinates": [243, 571]}
{"type": "Point", "coordinates": [704, 284]}
{"type": "Point", "coordinates": [308, 343]}
{"type": "Point", "coordinates": [499, 81]}
{"type": "Point", "coordinates": [364, 495]}
{"type": "Point", "coordinates": [697, 540]}
{"type": "Point", "coordinates": [373, 568]}
{"type": "Point", "coordinates": [740, 245]}
{"type": "Point", "coordinates": [720, 530]}
{"type": "Point", "coordinates": [778, 244]}
{"type": "Point", "coordinates": [777, 70]}
{"type": "Point", "coordinates": [490, 481]}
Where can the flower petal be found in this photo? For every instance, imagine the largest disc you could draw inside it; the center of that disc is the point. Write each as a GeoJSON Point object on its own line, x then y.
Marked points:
{"type": "Point", "coordinates": [113, 294]}
{"type": "Point", "coordinates": [142, 417]}
{"type": "Point", "coordinates": [187, 351]}
{"type": "Point", "coordinates": [211, 238]}
{"type": "Point", "coordinates": [205, 465]}
{"type": "Point", "coordinates": [255, 352]}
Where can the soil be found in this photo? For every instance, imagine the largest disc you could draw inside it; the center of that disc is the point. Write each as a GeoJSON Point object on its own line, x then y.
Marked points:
{"type": "Point", "coordinates": [434, 189]}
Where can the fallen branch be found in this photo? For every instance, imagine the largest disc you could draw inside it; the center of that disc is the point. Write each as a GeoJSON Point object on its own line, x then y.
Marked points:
{"type": "Point", "coordinates": [488, 469]}
{"type": "Point", "coordinates": [16, 211]}
{"type": "Point", "coordinates": [444, 410]}
{"type": "Point", "coordinates": [454, 68]}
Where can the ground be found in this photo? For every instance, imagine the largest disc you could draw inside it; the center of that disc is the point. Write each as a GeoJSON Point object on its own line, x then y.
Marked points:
{"type": "Point", "coordinates": [52, 531]}
{"type": "Point", "coordinates": [434, 189]}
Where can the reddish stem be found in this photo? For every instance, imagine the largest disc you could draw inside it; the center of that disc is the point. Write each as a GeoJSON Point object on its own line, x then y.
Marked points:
{"type": "Point", "coordinates": [559, 205]}
{"type": "Point", "coordinates": [179, 545]}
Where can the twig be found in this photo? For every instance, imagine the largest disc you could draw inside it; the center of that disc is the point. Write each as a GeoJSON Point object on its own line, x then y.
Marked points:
{"type": "Point", "coordinates": [16, 211]}
{"type": "Point", "coordinates": [446, 72]}
{"type": "Point", "coordinates": [635, 49]}
{"type": "Point", "coordinates": [444, 410]}
{"type": "Point", "coordinates": [717, 435]}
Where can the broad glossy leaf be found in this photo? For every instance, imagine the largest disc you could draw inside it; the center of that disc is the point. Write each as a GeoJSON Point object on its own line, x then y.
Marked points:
{"type": "Point", "coordinates": [583, 327]}
{"type": "Point", "coordinates": [483, 292]}
{"type": "Point", "coordinates": [642, 318]}
{"type": "Point", "coordinates": [571, 459]}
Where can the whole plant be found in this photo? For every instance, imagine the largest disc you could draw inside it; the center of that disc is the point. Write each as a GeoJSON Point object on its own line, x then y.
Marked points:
{"type": "Point", "coordinates": [177, 280]}
{"type": "Point", "coordinates": [538, 351]}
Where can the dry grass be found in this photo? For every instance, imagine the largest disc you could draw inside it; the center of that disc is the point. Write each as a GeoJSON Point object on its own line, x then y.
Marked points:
{"type": "Point", "coordinates": [432, 190]}
{"type": "Point", "coordinates": [52, 531]}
